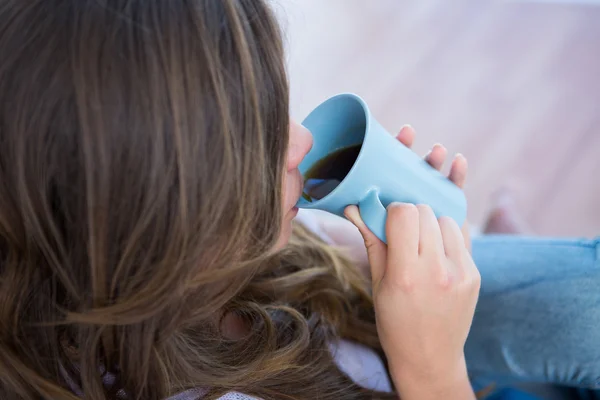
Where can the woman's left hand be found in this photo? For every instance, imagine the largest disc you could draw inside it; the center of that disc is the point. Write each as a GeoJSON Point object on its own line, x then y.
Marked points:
{"type": "Point", "coordinates": [344, 234]}
{"type": "Point", "coordinates": [436, 158]}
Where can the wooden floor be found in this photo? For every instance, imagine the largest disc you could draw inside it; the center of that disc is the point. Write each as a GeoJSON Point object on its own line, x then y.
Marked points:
{"type": "Point", "coordinates": [513, 85]}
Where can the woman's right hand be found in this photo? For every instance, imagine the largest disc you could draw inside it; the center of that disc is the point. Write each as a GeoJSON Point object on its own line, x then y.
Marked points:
{"type": "Point", "coordinates": [425, 287]}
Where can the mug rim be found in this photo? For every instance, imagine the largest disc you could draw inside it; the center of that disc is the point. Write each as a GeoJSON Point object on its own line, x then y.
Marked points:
{"type": "Point", "coordinates": [367, 114]}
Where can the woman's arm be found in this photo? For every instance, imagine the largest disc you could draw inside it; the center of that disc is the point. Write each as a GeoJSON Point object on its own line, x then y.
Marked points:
{"type": "Point", "coordinates": [454, 385]}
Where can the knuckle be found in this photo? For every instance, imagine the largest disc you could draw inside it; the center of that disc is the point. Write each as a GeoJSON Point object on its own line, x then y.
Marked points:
{"type": "Point", "coordinates": [405, 283]}
{"type": "Point", "coordinates": [474, 272]}
{"type": "Point", "coordinates": [368, 242]}
{"type": "Point", "coordinates": [442, 277]}
{"type": "Point", "coordinates": [477, 282]}
{"type": "Point", "coordinates": [474, 281]}
{"type": "Point", "coordinates": [371, 244]}
{"type": "Point", "coordinates": [444, 281]}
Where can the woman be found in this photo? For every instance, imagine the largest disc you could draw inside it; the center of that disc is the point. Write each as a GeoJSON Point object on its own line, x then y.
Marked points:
{"type": "Point", "coordinates": [148, 177]}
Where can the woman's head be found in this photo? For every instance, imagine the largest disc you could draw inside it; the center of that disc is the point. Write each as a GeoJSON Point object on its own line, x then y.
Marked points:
{"type": "Point", "coordinates": [142, 146]}
{"type": "Point", "coordinates": [147, 172]}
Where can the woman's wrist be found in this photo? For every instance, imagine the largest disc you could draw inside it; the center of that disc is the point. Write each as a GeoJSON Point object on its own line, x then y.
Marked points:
{"type": "Point", "coordinates": [452, 383]}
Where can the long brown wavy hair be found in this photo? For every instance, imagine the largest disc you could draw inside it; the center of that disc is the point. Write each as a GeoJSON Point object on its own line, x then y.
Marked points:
{"type": "Point", "coordinates": [142, 144]}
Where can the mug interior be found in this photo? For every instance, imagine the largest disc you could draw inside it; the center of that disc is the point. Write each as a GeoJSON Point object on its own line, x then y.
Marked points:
{"type": "Point", "coordinates": [337, 123]}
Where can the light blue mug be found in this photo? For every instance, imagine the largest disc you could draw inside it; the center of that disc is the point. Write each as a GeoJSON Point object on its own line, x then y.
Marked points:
{"type": "Point", "coordinates": [385, 170]}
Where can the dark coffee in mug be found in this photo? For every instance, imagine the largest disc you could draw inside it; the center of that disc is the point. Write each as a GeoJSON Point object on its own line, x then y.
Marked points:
{"type": "Point", "coordinates": [327, 173]}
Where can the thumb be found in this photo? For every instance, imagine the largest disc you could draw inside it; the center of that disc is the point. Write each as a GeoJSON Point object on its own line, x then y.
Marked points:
{"type": "Point", "coordinates": [376, 249]}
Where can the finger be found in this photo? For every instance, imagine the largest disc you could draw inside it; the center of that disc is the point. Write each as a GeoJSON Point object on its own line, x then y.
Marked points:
{"type": "Point", "coordinates": [436, 156]}
{"type": "Point", "coordinates": [402, 230]}
{"type": "Point", "coordinates": [472, 271]}
{"type": "Point", "coordinates": [458, 171]}
{"type": "Point", "coordinates": [466, 232]}
{"type": "Point", "coordinates": [454, 244]}
{"type": "Point", "coordinates": [376, 249]}
{"type": "Point", "coordinates": [406, 136]}
{"type": "Point", "coordinates": [430, 236]}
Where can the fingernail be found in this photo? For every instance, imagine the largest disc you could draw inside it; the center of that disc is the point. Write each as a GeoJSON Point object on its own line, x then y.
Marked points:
{"type": "Point", "coordinates": [396, 204]}
{"type": "Point", "coordinates": [347, 214]}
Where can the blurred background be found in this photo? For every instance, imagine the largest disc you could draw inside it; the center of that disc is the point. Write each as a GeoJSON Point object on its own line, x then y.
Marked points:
{"type": "Point", "coordinates": [513, 85]}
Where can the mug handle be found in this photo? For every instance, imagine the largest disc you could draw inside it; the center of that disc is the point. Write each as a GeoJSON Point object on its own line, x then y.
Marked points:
{"type": "Point", "coordinates": [374, 214]}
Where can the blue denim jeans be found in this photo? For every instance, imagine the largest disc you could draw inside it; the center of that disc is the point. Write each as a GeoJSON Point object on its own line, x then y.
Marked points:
{"type": "Point", "coordinates": [538, 316]}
